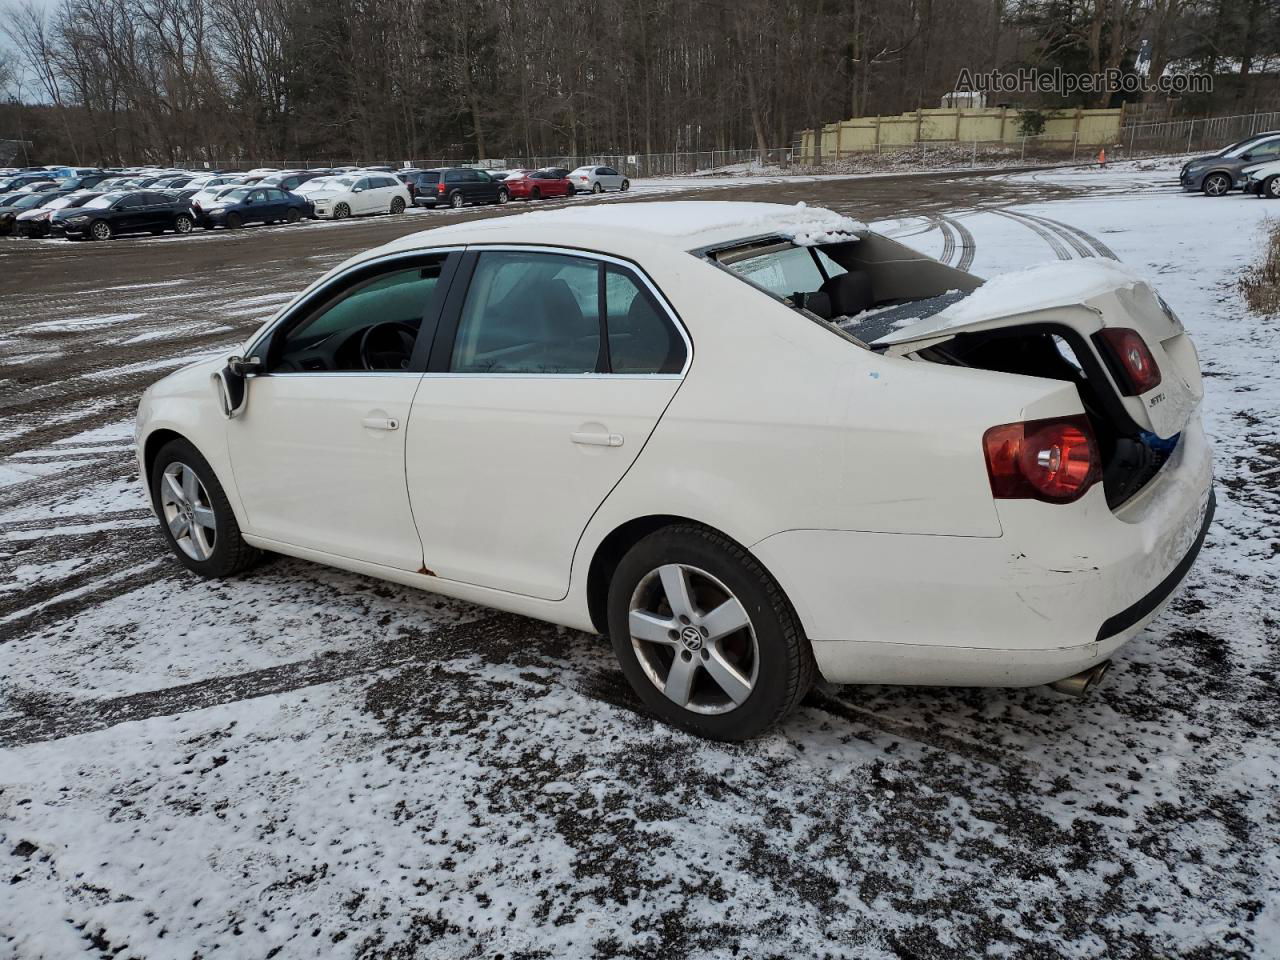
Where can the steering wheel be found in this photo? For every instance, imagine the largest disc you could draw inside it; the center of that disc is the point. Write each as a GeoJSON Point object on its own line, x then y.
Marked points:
{"type": "Point", "coordinates": [387, 346]}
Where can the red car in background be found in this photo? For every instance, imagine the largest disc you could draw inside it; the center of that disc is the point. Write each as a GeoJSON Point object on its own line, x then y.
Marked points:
{"type": "Point", "coordinates": [537, 184]}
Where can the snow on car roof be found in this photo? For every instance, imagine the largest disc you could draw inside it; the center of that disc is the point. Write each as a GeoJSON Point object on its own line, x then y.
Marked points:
{"type": "Point", "coordinates": [686, 224]}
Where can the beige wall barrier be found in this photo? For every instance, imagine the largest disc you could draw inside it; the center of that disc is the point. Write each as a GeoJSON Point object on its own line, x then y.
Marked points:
{"type": "Point", "coordinates": [1071, 128]}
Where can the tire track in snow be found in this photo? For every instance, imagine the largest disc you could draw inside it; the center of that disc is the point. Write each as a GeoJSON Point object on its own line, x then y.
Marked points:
{"type": "Point", "coordinates": [44, 717]}
{"type": "Point", "coordinates": [1048, 236]}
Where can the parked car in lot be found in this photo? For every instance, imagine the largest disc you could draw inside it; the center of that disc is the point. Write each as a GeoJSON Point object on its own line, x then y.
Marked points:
{"type": "Point", "coordinates": [138, 211]}
{"type": "Point", "coordinates": [458, 186]}
{"type": "Point", "coordinates": [536, 185]}
{"type": "Point", "coordinates": [19, 180]}
{"type": "Point", "coordinates": [14, 204]}
{"type": "Point", "coordinates": [37, 221]}
{"type": "Point", "coordinates": [1219, 173]}
{"type": "Point", "coordinates": [355, 195]}
{"type": "Point", "coordinates": [598, 179]}
{"type": "Point", "coordinates": [948, 501]}
{"type": "Point", "coordinates": [238, 206]}
{"type": "Point", "coordinates": [1263, 180]}
{"type": "Point", "coordinates": [86, 181]}
{"type": "Point", "coordinates": [290, 180]}
{"type": "Point", "coordinates": [416, 180]}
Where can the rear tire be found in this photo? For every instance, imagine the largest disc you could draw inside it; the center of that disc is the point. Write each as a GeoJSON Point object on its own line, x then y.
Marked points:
{"type": "Point", "coordinates": [725, 684]}
{"type": "Point", "coordinates": [182, 223]}
{"type": "Point", "coordinates": [293, 216]}
{"type": "Point", "coordinates": [207, 539]}
{"type": "Point", "coordinates": [397, 205]}
{"type": "Point", "coordinates": [597, 188]}
{"type": "Point", "coordinates": [626, 185]}
{"type": "Point", "coordinates": [1216, 185]}
{"type": "Point", "coordinates": [457, 201]}
{"type": "Point", "coordinates": [503, 196]}
{"type": "Point", "coordinates": [1270, 188]}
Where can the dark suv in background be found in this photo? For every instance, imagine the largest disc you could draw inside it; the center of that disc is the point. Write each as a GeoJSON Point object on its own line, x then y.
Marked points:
{"type": "Point", "coordinates": [456, 187]}
{"type": "Point", "coordinates": [1219, 173]}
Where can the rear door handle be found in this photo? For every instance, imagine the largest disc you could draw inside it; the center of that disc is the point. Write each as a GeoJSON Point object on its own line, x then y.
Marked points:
{"type": "Point", "coordinates": [380, 423]}
{"type": "Point", "coordinates": [597, 439]}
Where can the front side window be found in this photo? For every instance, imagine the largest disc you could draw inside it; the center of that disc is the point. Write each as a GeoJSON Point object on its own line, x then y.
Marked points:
{"type": "Point", "coordinates": [1267, 150]}
{"type": "Point", "coordinates": [372, 326]}
{"type": "Point", "coordinates": [530, 313]}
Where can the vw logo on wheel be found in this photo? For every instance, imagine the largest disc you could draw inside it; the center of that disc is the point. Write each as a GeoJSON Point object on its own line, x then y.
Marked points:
{"type": "Point", "coordinates": [692, 637]}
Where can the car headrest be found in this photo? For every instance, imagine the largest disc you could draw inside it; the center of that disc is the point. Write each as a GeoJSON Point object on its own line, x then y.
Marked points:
{"type": "Point", "coordinates": [850, 294]}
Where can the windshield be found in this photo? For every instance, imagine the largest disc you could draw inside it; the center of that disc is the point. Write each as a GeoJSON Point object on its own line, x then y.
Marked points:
{"type": "Point", "coordinates": [29, 200]}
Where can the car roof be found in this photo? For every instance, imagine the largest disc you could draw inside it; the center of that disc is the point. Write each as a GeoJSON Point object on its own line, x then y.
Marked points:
{"type": "Point", "coordinates": [680, 225]}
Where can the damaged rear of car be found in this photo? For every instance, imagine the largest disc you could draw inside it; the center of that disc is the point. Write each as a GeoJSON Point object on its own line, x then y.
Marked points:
{"type": "Point", "coordinates": [1101, 482]}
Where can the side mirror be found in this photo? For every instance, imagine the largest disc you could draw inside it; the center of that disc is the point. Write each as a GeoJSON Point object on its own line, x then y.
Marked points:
{"type": "Point", "coordinates": [1246, 156]}
{"type": "Point", "coordinates": [233, 392]}
{"type": "Point", "coordinates": [244, 366]}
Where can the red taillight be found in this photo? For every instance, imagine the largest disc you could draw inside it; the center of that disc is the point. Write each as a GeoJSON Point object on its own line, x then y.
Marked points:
{"type": "Point", "coordinates": [439, 188]}
{"type": "Point", "coordinates": [1134, 366]}
{"type": "Point", "coordinates": [1052, 460]}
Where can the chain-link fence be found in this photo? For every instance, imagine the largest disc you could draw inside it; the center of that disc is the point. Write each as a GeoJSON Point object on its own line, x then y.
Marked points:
{"type": "Point", "coordinates": [675, 163]}
{"type": "Point", "coordinates": [1193, 136]}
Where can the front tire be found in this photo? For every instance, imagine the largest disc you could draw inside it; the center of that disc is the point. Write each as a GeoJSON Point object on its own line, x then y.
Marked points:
{"type": "Point", "coordinates": [234, 221]}
{"type": "Point", "coordinates": [1216, 185]}
{"type": "Point", "coordinates": [100, 230]}
{"type": "Point", "coordinates": [535, 194]}
{"type": "Point", "coordinates": [1270, 188]}
{"type": "Point", "coordinates": [195, 516]}
{"type": "Point", "coordinates": [705, 636]}
{"type": "Point", "coordinates": [341, 211]}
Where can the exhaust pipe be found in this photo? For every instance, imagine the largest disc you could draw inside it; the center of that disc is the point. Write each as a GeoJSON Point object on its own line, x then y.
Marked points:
{"type": "Point", "coordinates": [1081, 683]}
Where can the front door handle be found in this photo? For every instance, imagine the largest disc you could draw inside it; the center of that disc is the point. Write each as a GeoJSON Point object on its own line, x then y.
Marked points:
{"type": "Point", "coordinates": [380, 423]}
{"type": "Point", "coordinates": [597, 439]}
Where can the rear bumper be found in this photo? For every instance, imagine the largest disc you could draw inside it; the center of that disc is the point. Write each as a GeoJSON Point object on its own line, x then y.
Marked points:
{"type": "Point", "coordinates": [1061, 589]}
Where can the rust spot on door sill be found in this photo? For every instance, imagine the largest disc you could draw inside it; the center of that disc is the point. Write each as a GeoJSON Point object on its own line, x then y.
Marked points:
{"type": "Point", "coordinates": [427, 573]}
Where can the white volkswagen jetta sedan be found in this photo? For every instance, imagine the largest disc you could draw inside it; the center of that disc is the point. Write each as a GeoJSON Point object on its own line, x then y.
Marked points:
{"type": "Point", "coordinates": [749, 442]}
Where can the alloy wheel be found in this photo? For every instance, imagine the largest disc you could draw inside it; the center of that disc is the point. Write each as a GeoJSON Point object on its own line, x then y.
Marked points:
{"type": "Point", "coordinates": [693, 639]}
{"type": "Point", "coordinates": [503, 196]}
{"type": "Point", "coordinates": [597, 188]}
{"type": "Point", "coordinates": [456, 201]}
{"type": "Point", "coordinates": [1217, 185]}
{"type": "Point", "coordinates": [182, 224]}
{"type": "Point", "coordinates": [341, 212]}
{"type": "Point", "coordinates": [1272, 188]}
{"type": "Point", "coordinates": [101, 230]}
{"type": "Point", "coordinates": [188, 512]}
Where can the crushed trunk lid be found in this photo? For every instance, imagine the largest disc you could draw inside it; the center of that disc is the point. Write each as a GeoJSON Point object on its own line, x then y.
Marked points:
{"type": "Point", "coordinates": [1075, 300]}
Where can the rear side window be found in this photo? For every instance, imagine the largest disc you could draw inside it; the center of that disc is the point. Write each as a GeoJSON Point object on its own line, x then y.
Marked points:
{"type": "Point", "coordinates": [641, 337]}
{"type": "Point", "coordinates": [530, 313]}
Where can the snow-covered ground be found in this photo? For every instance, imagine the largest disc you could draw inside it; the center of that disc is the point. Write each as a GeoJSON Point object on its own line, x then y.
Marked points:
{"type": "Point", "coordinates": [305, 763]}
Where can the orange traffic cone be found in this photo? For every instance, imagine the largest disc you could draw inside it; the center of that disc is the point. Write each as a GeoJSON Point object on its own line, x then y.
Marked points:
{"type": "Point", "coordinates": [1102, 157]}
